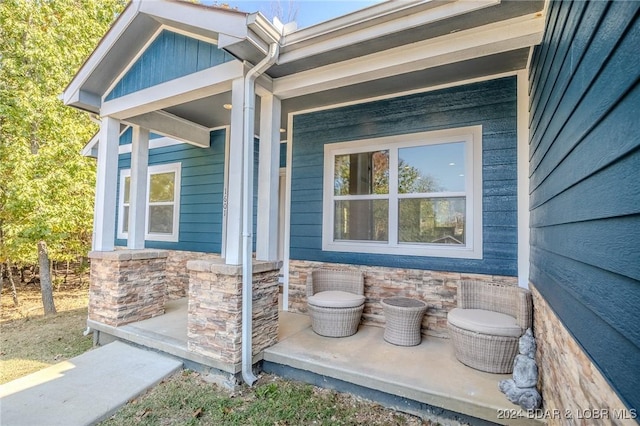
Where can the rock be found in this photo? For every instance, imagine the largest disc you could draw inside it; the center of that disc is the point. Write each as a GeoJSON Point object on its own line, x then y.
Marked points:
{"type": "Point", "coordinates": [525, 372]}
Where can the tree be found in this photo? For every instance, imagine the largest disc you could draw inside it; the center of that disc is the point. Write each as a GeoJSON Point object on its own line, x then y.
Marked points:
{"type": "Point", "coordinates": [46, 187]}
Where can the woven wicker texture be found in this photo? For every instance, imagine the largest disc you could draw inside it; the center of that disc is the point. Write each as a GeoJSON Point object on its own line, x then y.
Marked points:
{"type": "Point", "coordinates": [335, 322]}
{"type": "Point", "coordinates": [493, 354]}
{"type": "Point", "coordinates": [403, 319]}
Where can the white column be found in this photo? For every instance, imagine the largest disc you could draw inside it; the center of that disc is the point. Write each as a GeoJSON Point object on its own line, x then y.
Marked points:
{"type": "Point", "coordinates": [104, 216]}
{"type": "Point", "coordinates": [523, 179]}
{"type": "Point", "coordinates": [138, 187]}
{"type": "Point", "coordinates": [233, 249]}
{"type": "Point", "coordinates": [268, 179]}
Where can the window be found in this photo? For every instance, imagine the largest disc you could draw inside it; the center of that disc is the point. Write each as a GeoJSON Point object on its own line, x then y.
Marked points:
{"type": "Point", "coordinates": [417, 194]}
{"type": "Point", "coordinates": [163, 202]}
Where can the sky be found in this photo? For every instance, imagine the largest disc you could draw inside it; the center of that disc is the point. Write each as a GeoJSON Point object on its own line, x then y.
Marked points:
{"type": "Point", "coordinates": [308, 12]}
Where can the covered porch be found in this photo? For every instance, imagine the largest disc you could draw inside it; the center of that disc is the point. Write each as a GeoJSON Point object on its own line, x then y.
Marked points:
{"type": "Point", "coordinates": [423, 380]}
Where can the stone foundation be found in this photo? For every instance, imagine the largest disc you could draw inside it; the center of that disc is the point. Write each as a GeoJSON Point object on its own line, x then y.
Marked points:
{"type": "Point", "coordinates": [573, 389]}
{"type": "Point", "coordinates": [214, 324]}
{"type": "Point", "coordinates": [126, 286]}
{"type": "Point", "coordinates": [437, 289]}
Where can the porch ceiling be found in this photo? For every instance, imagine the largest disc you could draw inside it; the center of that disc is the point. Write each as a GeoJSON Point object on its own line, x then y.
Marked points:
{"type": "Point", "coordinates": [210, 112]}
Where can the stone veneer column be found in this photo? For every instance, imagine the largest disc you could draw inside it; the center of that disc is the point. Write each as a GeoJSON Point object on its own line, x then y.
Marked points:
{"type": "Point", "coordinates": [572, 387]}
{"type": "Point", "coordinates": [214, 323]}
{"type": "Point", "coordinates": [126, 286]}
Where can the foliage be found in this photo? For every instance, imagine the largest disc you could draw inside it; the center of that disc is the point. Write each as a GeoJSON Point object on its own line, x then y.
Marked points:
{"type": "Point", "coordinates": [46, 186]}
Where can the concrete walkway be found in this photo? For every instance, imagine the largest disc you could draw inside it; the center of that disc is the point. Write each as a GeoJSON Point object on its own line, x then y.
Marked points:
{"type": "Point", "coordinates": [85, 389]}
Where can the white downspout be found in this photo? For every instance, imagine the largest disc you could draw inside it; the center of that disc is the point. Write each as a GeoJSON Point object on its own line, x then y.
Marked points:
{"type": "Point", "coordinates": [247, 211]}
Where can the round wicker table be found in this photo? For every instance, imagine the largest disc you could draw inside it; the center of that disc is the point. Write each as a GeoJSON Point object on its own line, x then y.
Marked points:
{"type": "Point", "coordinates": [403, 317]}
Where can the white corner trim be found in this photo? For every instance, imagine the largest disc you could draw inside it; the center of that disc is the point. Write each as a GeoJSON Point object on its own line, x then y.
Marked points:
{"type": "Point", "coordinates": [523, 178]}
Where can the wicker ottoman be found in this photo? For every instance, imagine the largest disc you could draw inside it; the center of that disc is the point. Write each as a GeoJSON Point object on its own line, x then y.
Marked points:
{"type": "Point", "coordinates": [403, 320]}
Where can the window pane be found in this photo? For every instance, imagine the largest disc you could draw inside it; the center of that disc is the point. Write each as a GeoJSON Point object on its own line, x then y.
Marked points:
{"type": "Point", "coordinates": [361, 220]}
{"type": "Point", "coordinates": [162, 185]}
{"type": "Point", "coordinates": [125, 219]}
{"type": "Point", "coordinates": [161, 219]}
{"type": "Point", "coordinates": [431, 168]}
{"type": "Point", "coordinates": [127, 188]}
{"type": "Point", "coordinates": [432, 220]}
{"type": "Point", "coordinates": [361, 174]}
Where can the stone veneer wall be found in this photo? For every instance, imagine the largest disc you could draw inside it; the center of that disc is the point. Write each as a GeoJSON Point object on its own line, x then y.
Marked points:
{"type": "Point", "coordinates": [177, 275]}
{"type": "Point", "coordinates": [437, 289]}
{"type": "Point", "coordinates": [214, 324]}
{"type": "Point", "coordinates": [126, 286]}
{"type": "Point", "coordinates": [573, 389]}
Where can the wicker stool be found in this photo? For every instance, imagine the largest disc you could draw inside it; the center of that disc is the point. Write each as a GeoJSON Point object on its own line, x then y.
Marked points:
{"type": "Point", "coordinates": [403, 320]}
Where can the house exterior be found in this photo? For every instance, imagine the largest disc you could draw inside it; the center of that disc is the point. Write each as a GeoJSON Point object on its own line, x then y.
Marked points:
{"type": "Point", "coordinates": [420, 142]}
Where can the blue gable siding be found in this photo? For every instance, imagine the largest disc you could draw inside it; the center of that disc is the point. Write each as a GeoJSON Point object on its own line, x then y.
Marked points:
{"type": "Point", "coordinates": [169, 56]}
{"type": "Point", "coordinates": [491, 104]}
{"type": "Point", "coordinates": [585, 181]}
{"type": "Point", "coordinates": [127, 135]}
{"type": "Point", "coordinates": [201, 195]}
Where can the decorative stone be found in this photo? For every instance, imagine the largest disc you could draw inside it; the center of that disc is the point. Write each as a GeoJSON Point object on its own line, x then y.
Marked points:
{"type": "Point", "coordinates": [521, 389]}
{"type": "Point", "coordinates": [126, 286]}
{"type": "Point", "coordinates": [438, 289]}
{"type": "Point", "coordinates": [214, 319]}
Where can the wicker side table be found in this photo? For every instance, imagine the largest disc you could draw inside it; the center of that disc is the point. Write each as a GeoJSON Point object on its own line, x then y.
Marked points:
{"type": "Point", "coordinates": [403, 317]}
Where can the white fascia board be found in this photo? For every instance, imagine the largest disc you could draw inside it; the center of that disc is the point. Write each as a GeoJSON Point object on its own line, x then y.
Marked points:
{"type": "Point", "coordinates": [166, 124]}
{"type": "Point", "coordinates": [257, 23]}
{"type": "Point", "coordinates": [190, 17]}
{"type": "Point", "coordinates": [354, 18]}
{"type": "Point", "coordinates": [91, 148]}
{"type": "Point", "coordinates": [445, 11]}
{"type": "Point", "coordinates": [194, 86]}
{"type": "Point", "coordinates": [482, 41]}
{"type": "Point", "coordinates": [104, 46]}
{"type": "Point", "coordinates": [84, 100]}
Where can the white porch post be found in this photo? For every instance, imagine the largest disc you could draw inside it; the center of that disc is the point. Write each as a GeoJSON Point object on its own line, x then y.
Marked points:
{"type": "Point", "coordinates": [138, 187]}
{"type": "Point", "coordinates": [233, 250]}
{"type": "Point", "coordinates": [104, 216]}
{"type": "Point", "coordinates": [268, 179]}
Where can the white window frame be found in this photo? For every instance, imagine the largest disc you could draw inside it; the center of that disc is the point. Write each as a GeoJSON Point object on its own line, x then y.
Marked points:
{"type": "Point", "coordinates": [155, 169]}
{"type": "Point", "coordinates": [471, 136]}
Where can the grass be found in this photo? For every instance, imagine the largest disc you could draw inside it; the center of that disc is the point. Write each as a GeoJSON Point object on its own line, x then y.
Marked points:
{"type": "Point", "coordinates": [29, 341]}
{"type": "Point", "coordinates": [187, 399]}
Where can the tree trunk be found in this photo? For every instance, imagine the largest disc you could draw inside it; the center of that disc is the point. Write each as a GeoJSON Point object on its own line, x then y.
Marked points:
{"type": "Point", "coordinates": [45, 279]}
{"type": "Point", "coordinates": [14, 293]}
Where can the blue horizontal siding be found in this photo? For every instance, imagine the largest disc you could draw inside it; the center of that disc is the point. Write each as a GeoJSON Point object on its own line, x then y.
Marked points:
{"type": "Point", "coordinates": [168, 57]}
{"type": "Point", "coordinates": [201, 193]}
{"type": "Point", "coordinates": [491, 104]}
{"type": "Point", "coordinates": [585, 190]}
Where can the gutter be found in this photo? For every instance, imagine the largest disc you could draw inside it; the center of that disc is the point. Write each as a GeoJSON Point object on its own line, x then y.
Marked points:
{"type": "Point", "coordinates": [247, 210]}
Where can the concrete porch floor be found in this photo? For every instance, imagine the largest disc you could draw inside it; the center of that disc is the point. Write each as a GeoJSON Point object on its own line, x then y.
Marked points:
{"type": "Point", "coordinates": [427, 373]}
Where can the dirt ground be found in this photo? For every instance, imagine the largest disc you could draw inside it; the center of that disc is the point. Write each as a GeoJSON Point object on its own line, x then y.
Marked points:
{"type": "Point", "coordinates": [29, 341]}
